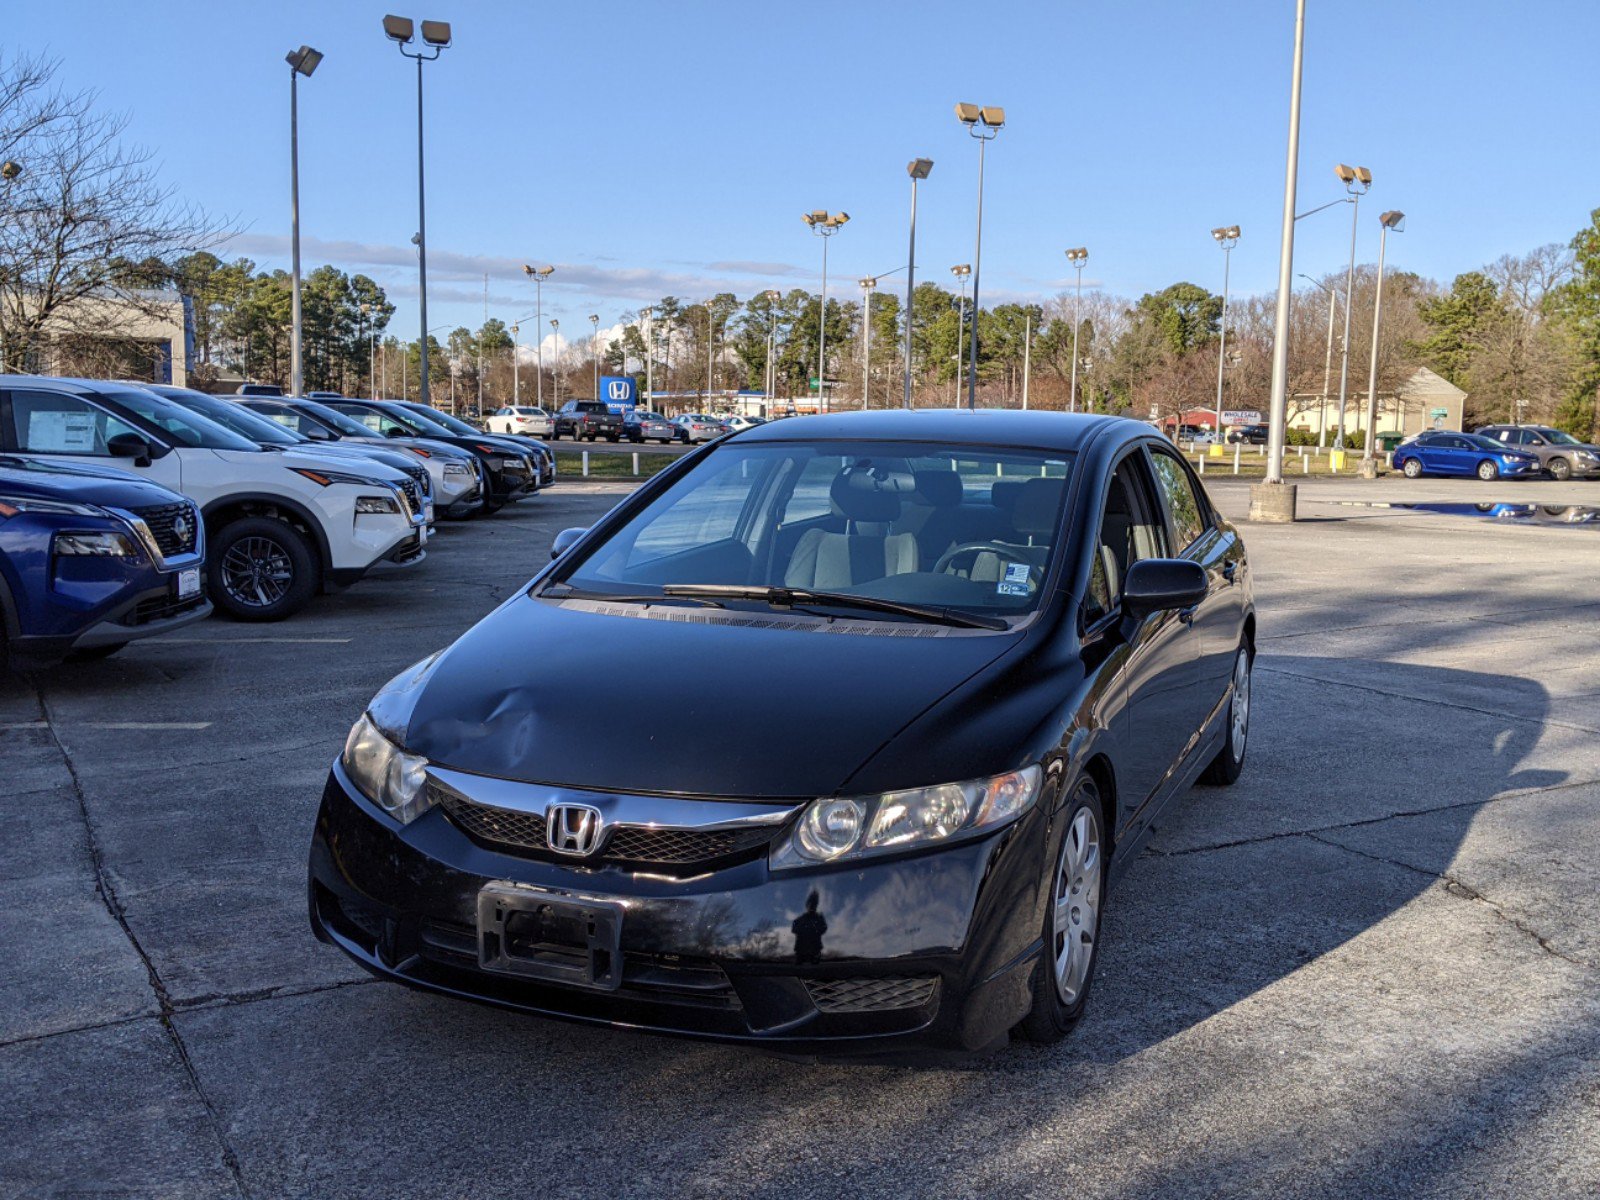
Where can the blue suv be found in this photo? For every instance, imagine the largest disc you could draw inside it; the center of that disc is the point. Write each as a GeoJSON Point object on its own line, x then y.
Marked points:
{"type": "Point", "coordinates": [90, 560]}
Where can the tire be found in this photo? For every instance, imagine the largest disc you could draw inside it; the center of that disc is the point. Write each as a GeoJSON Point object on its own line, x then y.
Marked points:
{"type": "Point", "coordinates": [1079, 876]}
{"type": "Point", "coordinates": [613, 440]}
{"type": "Point", "coordinates": [96, 653]}
{"type": "Point", "coordinates": [1487, 471]}
{"type": "Point", "coordinates": [284, 566]}
{"type": "Point", "coordinates": [1411, 468]}
{"type": "Point", "coordinates": [1225, 767]}
{"type": "Point", "coordinates": [1560, 469]}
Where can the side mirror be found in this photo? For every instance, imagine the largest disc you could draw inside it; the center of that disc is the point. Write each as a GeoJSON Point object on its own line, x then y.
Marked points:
{"type": "Point", "coordinates": [315, 432]}
{"type": "Point", "coordinates": [1159, 584]}
{"type": "Point", "coordinates": [129, 445]}
{"type": "Point", "coordinates": [564, 541]}
{"type": "Point", "coordinates": [395, 431]}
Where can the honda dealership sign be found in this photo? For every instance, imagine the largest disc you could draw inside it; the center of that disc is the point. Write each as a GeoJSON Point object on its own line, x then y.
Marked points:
{"type": "Point", "coordinates": [619, 392]}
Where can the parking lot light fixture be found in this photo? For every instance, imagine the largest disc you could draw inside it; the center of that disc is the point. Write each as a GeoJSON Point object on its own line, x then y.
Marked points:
{"type": "Point", "coordinates": [538, 275]}
{"type": "Point", "coordinates": [301, 62]}
{"type": "Point", "coordinates": [594, 321]}
{"type": "Point", "coordinates": [962, 272]}
{"type": "Point", "coordinates": [772, 297]}
{"type": "Point", "coordinates": [983, 122]}
{"type": "Point", "coordinates": [436, 35]}
{"type": "Point", "coordinates": [10, 170]}
{"type": "Point", "coordinates": [555, 333]}
{"type": "Point", "coordinates": [1077, 257]}
{"type": "Point", "coordinates": [919, 169]}
{"type": "Point", "coordinates": [868, 285]}
{"type": "Point", "coordinates": [1273, 500]}
{"type": "Point", "coordinates": [1226, 236]}
{"type": "Point", "coordinates": [1395, 220]}
{"type": "Point", "coordinates": [1357, 181]}
{"type": "Point", "coordinates": [824, 224]}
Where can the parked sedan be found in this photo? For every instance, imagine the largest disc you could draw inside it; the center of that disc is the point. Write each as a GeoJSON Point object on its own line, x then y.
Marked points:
{"type": "Point", "coordinates": [697, 427]}
{"type": "Point", "coordinates": [641, 426]}
{"type": "Point", "coordinates": [1249, 435]}
{"type": "Point", "coordinates": [735, 424]}
{"type": "Point", "coordinates": [1558, 452]}
{"type": "Point", "coordinates": [525, 419]}
{"type": "Point", "coordinates": [908, 831]}
{"type": "Point", "coordinates": [1444, 452]}
{"type": "Point", "coordinates": [92, 559]}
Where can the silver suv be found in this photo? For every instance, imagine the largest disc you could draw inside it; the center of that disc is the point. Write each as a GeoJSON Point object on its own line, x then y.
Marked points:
{"type": "Point", "coordinates": [1559, 453]}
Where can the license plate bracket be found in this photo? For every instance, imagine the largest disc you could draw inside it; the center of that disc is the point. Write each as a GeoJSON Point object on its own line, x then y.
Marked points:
{"type": "Point", "coordinates": [540, 934]}
{"type": "Point", "coordinates": [187, 583]}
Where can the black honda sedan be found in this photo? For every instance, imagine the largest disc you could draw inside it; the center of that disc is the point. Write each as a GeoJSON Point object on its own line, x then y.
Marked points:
{"type": "Point", "coordinates": [959, 661]}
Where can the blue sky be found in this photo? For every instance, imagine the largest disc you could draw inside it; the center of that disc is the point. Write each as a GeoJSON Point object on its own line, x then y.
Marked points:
{"type": "Point", "coordinates": [648, 148]}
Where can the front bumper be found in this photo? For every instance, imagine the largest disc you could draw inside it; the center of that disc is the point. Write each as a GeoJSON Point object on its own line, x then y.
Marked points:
{"type": "Point", "coordinates": [941, 945]}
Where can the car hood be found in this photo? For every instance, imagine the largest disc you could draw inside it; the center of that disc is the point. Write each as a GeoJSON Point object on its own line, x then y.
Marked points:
{"type": "Point", "coordinates": [297, 460]}
{"type": "Point", "coordinates": [558, 693]}
{"type": "Point", "coordinates": [105, 486]}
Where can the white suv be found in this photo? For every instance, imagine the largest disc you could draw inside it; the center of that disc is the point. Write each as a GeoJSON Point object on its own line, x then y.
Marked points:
{"type": "Point", "coordinates": [280, 526]}
{"type": "Point", "coordinates": [519, 418]}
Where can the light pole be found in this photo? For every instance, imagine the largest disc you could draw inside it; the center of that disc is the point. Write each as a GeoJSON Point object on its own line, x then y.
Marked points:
{"type": "Point", "coordinates": [1395, 220]}
{"type": "Point", "coordinates": [1357, 181]}
{"type": "Point", "coordinates": [301, 62]}
{"type": "Point", "coordinates": [538, 275]}
{"type": "Point", "coordinates": [868, 284]}
{"type": "Point", "coordinates": [824, 224]}
{"type": "Point", "coordinates": [1227, 237]}
{"type": "Point", "coordinates": [648, 317]}
{"type": "Point", "coordinates": [982, 122]}
{"type": "Point", "coordinates": [1272, 499]}
{"type": "Point", "coordinates": [918, 169]}
{"type": "Point", "coordinates": [436, 34]}
{"type": "Point", "coordinates": [594, 342]}
{"type": "Point", "coordinates": [516, 367]}
{"type": "Point", "coordinates": [963, 272]}
{"type": "Point", "coordinates": [1327, 359]}
{"type": "Point", "coordinates": [711, 341]}
{"type": "Point", "coordinates": [772, 298]}
{"type": "Point", "coordinates": [1077, 258]}
{"type": "Point", "coordinates": [555, 332]}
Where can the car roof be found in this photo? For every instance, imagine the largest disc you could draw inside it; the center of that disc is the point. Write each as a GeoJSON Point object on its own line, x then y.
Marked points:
{"type": "Point", "coordinates": [978, 427]}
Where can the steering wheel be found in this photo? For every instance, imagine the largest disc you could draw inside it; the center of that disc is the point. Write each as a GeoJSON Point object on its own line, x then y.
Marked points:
{"type": "Point", "coordinates": [971, 550]}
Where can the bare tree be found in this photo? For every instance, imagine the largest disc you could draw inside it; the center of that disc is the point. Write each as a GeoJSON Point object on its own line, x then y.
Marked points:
{"type": "Point", "coordinates": [86, 228]}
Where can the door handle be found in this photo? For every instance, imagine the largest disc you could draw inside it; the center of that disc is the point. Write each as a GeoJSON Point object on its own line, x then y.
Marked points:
{"type": "Point", "coordinates": [1186, 617]}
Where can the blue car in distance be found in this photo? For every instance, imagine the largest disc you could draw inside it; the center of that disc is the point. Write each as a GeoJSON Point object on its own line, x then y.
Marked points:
{"type": "Point", "coordinates": [1445, 452]}
{"type": "Point", "coordinates": [92, 559]}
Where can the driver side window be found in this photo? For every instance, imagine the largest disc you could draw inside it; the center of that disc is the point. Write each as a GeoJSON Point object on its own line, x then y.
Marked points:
{"type": "Point", "coordinates": [1128, 532]}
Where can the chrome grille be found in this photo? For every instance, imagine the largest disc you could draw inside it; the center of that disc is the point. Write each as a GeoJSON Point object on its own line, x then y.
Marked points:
{"type": "Point", "coordinates": [419, 476]}
{"type": "Point", "coordinates": [879, 994]}
{"type": "Point", "coordinates": [413, 494]}
{"type": "Point", "coordinates": [161, 518]}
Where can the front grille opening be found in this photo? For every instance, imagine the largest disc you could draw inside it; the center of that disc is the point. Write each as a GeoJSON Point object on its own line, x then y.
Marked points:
{"type": "Point", "coordinates": [159, 608]}
{"type": "Point", "coordinates": [882, 993]}
{"type": "Point", "coordinates": [161, 520]}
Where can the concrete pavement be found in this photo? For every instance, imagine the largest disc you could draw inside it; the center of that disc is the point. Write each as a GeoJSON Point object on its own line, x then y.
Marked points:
{"type": "Point", "coordinates": [1371, 968]}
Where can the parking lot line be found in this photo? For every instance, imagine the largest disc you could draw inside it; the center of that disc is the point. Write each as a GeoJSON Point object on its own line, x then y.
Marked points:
{"type": "Point", "coordinates": [238, 641]}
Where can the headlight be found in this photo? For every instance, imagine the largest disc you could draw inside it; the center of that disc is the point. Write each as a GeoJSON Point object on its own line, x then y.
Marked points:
{"type": "Point", "coordinates": [392, 779]}
{"type": "Point", "coordinates": [104, 543]}
{"type": "Point", "coordinates": [851, 827]}
{"type": "Point", "coordinates": [10, 506]}
{"type": "Point", "coordinates": [376, 504]}
{"type": "Point", "coordinates": [456, 467]}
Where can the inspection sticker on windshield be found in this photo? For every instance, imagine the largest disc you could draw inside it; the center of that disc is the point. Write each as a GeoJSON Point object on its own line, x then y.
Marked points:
{"type": "Point", "coordinates": [1015, 580]}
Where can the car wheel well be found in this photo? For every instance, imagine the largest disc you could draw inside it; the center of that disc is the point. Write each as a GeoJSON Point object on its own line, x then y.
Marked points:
{"type": "Point", "coordinates": [223, 515]}
{"type": "Point", "coordinates": [1250, 633]}
{"type": "Point", "coordinates": [1099, 769]}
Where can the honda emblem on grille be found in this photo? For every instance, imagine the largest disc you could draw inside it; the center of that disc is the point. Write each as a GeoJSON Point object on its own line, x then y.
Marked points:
{"type": "Point", "coordinates": [572, 829]}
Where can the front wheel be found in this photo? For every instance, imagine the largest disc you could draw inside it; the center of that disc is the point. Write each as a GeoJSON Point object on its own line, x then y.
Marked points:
{"type": "Point", "coordinates": [1225, 767]}
{"type": "Point", "coordinates": [1411, 469]}
{"type": "Point", "coordinates": [1560, 469]}
{"type": "Point", "coordinates": [1487, 471]}
{"type": "Point", "coordinates": [1065, 970]}
{"type": "Point", "coordinates": [261, 569]}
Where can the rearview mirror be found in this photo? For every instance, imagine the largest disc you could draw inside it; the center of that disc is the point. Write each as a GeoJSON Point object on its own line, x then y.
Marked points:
{"type": "Point", "coordinates": [129, 445]}
{"type": "Point", "coordinates": [564, 541]}
{"type": "Point", "coordinates": [1160, 584]}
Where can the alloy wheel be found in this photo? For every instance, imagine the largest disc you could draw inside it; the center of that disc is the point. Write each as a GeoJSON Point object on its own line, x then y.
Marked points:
{"type": "Point", "coordinates": [257, 572]}
{"type": "Point", "coordinates": [1239, 707]}
{"type": "Point", "coordinates": [1077, 906]}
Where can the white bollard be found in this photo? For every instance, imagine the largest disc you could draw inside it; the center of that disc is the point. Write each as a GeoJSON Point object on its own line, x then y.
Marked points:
{"type": "Point", "coordinates": [1202, 464]}
{"type": "Point", "coordinates": [635, 462]}
{"type": "Point", "coordinates": [1236, 458]}
{"type": "Point", "coordinates": [586, 464]}
{"type": "Point", "coordinates": [1305, 465]}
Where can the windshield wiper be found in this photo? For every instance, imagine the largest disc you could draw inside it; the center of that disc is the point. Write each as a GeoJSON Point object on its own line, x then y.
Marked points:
{"type": "Point", "coordinates": [565, 591]}
{"type": "Point", "coordinates": [787, 597]}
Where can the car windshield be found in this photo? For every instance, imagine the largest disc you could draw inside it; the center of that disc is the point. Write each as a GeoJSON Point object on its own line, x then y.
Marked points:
{"type": "Point", "coordinates": [452, 424]}
{"type": "Point", "coordinates": [945, 527]}
{"type": "Point", "coordinates": [1560, 437]}
{"type": "Point", "coordinates": [189, 428]}
{"type": "Point", "coordinates": [1479, 442]}
{"type": "Point", "coordinates": [232, 415]}
{"type": "Point", "coordinates": [417, 424]}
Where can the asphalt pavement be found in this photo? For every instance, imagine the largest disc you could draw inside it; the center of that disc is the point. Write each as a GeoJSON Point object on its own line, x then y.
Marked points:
{"type": "Point", "coordinates": [1371, 968]}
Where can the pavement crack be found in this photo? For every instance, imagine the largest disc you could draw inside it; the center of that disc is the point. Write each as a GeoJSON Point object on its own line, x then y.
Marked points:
{"type": "Point", "coordinates": [1462, 890]}
{"type": "Point", "coordinates": [107, 893]}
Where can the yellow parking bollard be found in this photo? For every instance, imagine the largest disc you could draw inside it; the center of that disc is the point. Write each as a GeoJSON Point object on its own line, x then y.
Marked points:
{"type": "Point", "coordinates": [1336, 460]}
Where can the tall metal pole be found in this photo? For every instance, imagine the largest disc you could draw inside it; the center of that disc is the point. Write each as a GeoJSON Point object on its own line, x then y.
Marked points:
{"type": "Point", "coordinates": [594, 343]}
{"type": "Point", "coordinates": [1327, 372]}
{"type": "Point", "coordinates": [711, 336]}
{"type": "Point", "coordinates": [822, 334]}
{"type": "Point", "coordinates": [1349, 296]}
{"type": "Point", "coordinates": [422, 244]}
{"type": "Point", "coordinates": [1077, 323]}
{"type": "Point", "coordinates": [1388, 221]}
{"type": "Point", "coordinates": [977, 272]}
{"type": "Point", "coordinates": [1027, 355]}
{"type": "Point", "coordinates": [911, 273]}
{"type": "Point", "coordinates": [1273, 508]}
{"type": "Point", "coordinates": [867, 286]}
{"type": "Point", "coordinates": [296, 371]}
{"type": "Point", "coordinates": [772, 366]}
{"type": "Point", "coordinates": [1222, 340]}
{"type": "Point", "coordinates": [649, 359]}
{"type": "Point", "coordinates": [516, 365]}
{"type": "Point", "coordinates": [538, 329]}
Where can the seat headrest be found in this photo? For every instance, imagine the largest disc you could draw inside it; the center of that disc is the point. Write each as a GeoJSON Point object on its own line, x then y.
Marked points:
{"type": "Point", "coordinates": [858, 493]}
{"type": "Point", "coordinates": [1038, 506]}
{"type": "Point", "coordinates": [941, 489]}
{"type": "Point", "coordinates": [1003, 494]}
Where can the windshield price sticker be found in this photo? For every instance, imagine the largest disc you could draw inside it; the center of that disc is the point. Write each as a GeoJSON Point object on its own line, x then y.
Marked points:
{"type": "Point", "coordinates": [1014, 581]}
